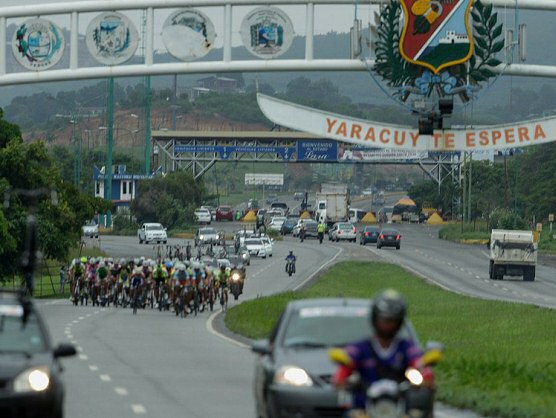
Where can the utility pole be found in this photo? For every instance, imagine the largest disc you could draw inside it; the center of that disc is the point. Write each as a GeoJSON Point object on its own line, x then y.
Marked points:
{"type": "Point", "coordinates": [109, 140]}
{"type": "Point", "coordinates": [469, 185]}
{"type": "Point", "coordinates": [174, 99]}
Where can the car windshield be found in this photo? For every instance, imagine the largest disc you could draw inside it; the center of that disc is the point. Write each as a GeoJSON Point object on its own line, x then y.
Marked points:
{"type": "Point", "coordinates": [202, 211]}
{"type": "Point", "coordinates": [16, 337]}
{"type": "Point", "coordinates": [92, 223]}
{"type": "Point", "coordinates": [156, 227]}
{"type": "Point", "coordinates": [371, 229]}
{"type": "Point", "coordinates": [389, 232]}
{"type": "Point", "coordinates": [253, 242]}
{"type": "Point", "coordinates": [326, 326]}
{"type": "Point", "coordinates": [346, 226]}
{"type": "Point", "coordinates": [225, 208]}
{"type": "Point", "coordinates": [207, 231]}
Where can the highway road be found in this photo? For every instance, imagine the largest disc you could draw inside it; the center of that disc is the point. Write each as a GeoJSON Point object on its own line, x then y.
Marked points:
{"type": "Point", "coordinates": [154, 364]}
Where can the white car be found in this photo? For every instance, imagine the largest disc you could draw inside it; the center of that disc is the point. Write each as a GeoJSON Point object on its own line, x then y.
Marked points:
{"type": "Point", "coordinates": [90, 229]}
{"type": "Point", "coordinates": [267, 245]}
{"type": "Point", "coordinates": [342, 231]}
{"type": "Point", "coordinates": [256, 247]}
{"type": "Point", "coordinates": [277, 222]}
{"type": "Point", "coordinates": [206, 236]}
{"type": "Point", "coordinates": [242, 235]}
{"type": "Point", "coordinates": [203, 216]}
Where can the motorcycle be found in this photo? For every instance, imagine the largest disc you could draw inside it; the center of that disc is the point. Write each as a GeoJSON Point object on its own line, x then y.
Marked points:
{"type": "Point", "coordinates": [236, 285]}
{"type": "Point", "coordinates": [290, 267]}
{"type": "Point", "coordinates": [386, 398]}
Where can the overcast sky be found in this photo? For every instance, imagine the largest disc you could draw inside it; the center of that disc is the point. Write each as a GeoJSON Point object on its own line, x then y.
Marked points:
{"type": "Point", "coordinates": [327, 18]}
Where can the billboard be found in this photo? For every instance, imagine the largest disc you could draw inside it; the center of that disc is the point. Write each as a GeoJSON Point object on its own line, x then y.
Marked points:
{"type": "Point", "coordinates": [256, 179]}
{"type": "Point", "coordinates": [224, 152]}
{"type": "Point", "coordinates": [360, 154]}
{"type": "Point", "coordinates": [324, 150]}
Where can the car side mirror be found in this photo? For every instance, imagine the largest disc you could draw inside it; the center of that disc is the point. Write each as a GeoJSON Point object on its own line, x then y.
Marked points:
{"type": "Point", "coordinates": [261, 347]}
{"type": "Point", "coordinates": [64, 350]}
{"type": "Point", "coordinates": [165, 229]}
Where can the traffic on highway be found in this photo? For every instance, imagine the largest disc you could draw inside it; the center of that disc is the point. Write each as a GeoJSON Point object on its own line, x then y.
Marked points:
{"type": "Point", "coordinates": [148, 318]}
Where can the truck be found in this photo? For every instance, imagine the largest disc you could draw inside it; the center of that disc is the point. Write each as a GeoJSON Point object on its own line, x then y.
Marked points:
{"type": "Point", "coordinates": [512, 253]}
{"type": "Point", "coordinates": [150, 232]}
{"type": "Point", "coordinates": [332, 203]}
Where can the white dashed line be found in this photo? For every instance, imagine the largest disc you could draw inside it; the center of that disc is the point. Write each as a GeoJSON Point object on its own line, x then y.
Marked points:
{"type": "Point", "coordinates": [505, 289]}
{"type": "Point", "coordinates": [88, 315]}
{"type": "Point", "coordinates": [478, 277]}
{"type": "Point", "coordinates": [93, 368]}
{"type": "Point", "coordinates": [121, 391]}
{"type": "Point", "coordinates": [105, 378]}
{"type": "Point", "coordinates": [138, 409]}
{"type": "Point", "coordinates": [79, 348]}
{"type": "Point", "coordinates": [76, 321]}
{"type": "Point", "coordinates": [81, 318]}
{"type": "Point", "coordinates": [97, 312]}
{"type": "Point", "coordinates": [83, 357]}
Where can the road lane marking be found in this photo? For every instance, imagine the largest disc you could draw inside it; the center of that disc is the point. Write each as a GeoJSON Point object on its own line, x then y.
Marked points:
{"type": "Point", "coordinates": [138, 409]}
{"type": "Point", "coordinates": [105, 378]}
{"type": "Point", "coordinates": [121, 391]}
{"type": "Point", "coordinates": [79, 349]}
{"type": "Point", "coordinates": [93, 368]}
{"type": "Point", "coordinates": [212, 330]}
{"type": "Point", "coordinates": [76, 321]}
{"type": "Point", "coordinates": [83, 357]}
{"type": "Point", "coordinates": [81, 318]}
{"type": "Point", "coordinates": [210, 320]}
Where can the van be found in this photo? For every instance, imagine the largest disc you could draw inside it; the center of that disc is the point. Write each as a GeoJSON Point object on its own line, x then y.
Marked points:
{"type": "Point", "coordinates": [355, 215]}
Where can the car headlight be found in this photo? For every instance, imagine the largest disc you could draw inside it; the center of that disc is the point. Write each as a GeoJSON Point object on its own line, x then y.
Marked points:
{"type": "Point", "coordinates": [292, 376]}
{"type": "Point", "coordinates": [36, 379]}
{"type": "Point", "coordinates": [201, 237]}
{"type": "Point", "coordinates": [235, 277]}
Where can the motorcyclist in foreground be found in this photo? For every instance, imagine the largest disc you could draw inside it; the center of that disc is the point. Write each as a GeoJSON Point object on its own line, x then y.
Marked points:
{"type": "Point", "coordinates": [384, 355]}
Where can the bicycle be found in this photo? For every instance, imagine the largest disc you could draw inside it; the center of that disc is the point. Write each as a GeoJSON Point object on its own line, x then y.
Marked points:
{"type": "Point", "coordinates": [223, 297]}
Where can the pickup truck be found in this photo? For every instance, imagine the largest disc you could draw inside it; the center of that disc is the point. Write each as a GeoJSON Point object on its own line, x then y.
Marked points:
{"type": "Point", "coordinates": [150, 232]}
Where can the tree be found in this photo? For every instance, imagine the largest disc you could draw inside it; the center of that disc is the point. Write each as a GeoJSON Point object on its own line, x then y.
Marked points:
{"type": "Point", "coordinates": [170, 200]}
{"type": "Point", "coordinates": [28, 167]}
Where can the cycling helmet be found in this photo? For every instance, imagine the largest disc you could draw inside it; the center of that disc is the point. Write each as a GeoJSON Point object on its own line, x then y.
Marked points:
{"type": "Point", "coordinates": [110, 260]}
{"type": "Point", "coordinates": [83, 260]}
{"type": "Point", "coordinates": [123, 261]}
{"type": "Point", "coordinates": [92, 260]}
{"type": "Point", "coordinates": [181, 267]}
{"type": "Point", "coordinates": [228, 269]}
{"type": "Point", "coordinates": [222, 267]}
{"type": "Point", "coordinates": [389, 304]}
{"type": "Point", "coordinates": [169, 264]}
{"type": "Point", "coordinates": [291, 252]}
{"type": "Point", "coordinates": [101, 264]}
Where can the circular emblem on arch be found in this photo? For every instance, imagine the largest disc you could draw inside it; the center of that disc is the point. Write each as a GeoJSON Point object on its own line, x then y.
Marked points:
{"type": "Point", "coordinates": [188, 34]}
{"type": "Point", "coordinates": [267, 32]}
{"type": "Point", "coordinates": [111, 38]}
{"type": "Point", "coordinates": [38, 44]}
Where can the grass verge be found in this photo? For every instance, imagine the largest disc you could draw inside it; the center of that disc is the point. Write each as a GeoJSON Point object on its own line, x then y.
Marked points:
{"type": "Point", "coordinates": [467, 232]}
{"type": "Point", "coordinates": [499, 356]}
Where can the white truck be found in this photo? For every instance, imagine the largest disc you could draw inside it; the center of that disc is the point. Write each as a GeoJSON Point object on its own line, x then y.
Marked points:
{"type": "Point", "coordinates": [150, 232]}
{"type": "Point", "coordinates": [512, 253]}
{"type": "Point", "coordinates": [333, 202]}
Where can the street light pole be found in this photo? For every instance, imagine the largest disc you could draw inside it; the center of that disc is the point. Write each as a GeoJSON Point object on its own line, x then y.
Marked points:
{"type": "Point", "coordinates": [109, 140]}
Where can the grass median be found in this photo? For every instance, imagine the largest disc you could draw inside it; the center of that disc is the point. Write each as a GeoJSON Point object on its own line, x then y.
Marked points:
{"type": "Point", "coordinates": [499, 356]}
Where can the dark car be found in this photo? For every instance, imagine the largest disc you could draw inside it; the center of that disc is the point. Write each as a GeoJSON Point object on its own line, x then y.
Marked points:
{"type": "Point", "coordinates": [369, 234]}
{"type": "Point", "coordinates": [288, 225]}
{"type": "Point", "coordinates": [30, 382]}
{"type": "Point", "coordinates": [224, 213]}
{"type": "Point", "coordinates": [389, 238]}
{"type": "Point", "coordinates": [293, 371]}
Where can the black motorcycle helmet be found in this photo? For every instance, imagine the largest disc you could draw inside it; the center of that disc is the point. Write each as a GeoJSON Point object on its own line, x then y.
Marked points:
{"type": "Point", "coordinates": [388, 304]}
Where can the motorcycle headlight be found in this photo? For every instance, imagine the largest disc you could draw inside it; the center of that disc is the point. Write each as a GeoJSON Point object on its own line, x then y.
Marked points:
{"type": "Point", "coordinates": [201, 237]}
{"type": "Point", "coordinates": [36, 379]}
{"type": "Point", "coordinates": [414, 376]}
{"type": "Point", "coordinates": [293, 376]}
{"type": "Point", "coordinates": [235, 277]}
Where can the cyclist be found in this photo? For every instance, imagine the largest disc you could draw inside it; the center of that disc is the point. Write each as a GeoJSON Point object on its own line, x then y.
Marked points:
{"type": "Point", "coordinates": [160, 274]}
{"type": "Point", "coordinates": [137, 281]}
